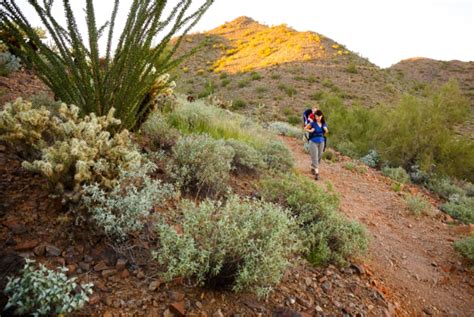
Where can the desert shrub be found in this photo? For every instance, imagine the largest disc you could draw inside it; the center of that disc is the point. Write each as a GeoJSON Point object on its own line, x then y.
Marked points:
{"type": "Point", "coordinates": [418, 205]}
{"type": "Point", "coordinates": [124, 209]}
{"type": "Point", "coordinates": [335, 240]}
{"type": "Point", "coordinates": [255, 76]}
{"type": "Point", "coordinates": [9, 63]}
{"type": "Point", "coordinates": [43, 99]}
{"type": "Point", "coordinates": [330, 155]}
{"type": "Point", "coordinates": [201, 163]}
{"type": "Point", "coordinates": [208, 89]}
{"type": "Point", "coordinates": [243, 83]}
{"type": "Point", "coordinates": [398, 174]}
{"type": "Point", "coordinates": [159, 132]}
{"type": "Point", "coordinates": [238, 104]}
{"type": "Point", "coordinates": [294, 120]}
{"type": "Point", "coordinates": [128, 77]}
{"type": "Point", "coordinates": [261, 90]}
{"type": "Point", "coordinates": [40, 291]}
{"type": "Point", "coordinates": [352, 68]}
{"type": "Point", "coordinates": [277, 156]}
{"type": "Point", "coordinates": [444, 187]}
{"type": "Point", "coordinates": [74, 150]}
{"type": "Point", "coordinates": [242, 244]}
{"type": "Point", "coordinates": [327, 236]}
{"type": "Point", "coordinates": [418, 176]}
{"type": "Point", "coordinates": [466, 248]}
{"type": "Point", "coordinates": [372, 159]}
{"type": "Point", "coordinates": [225, 82]}
{"type": "Point", "coordinates": [317, 96]}
{"type": "Point", "coordinates": [351, 166]}
{"type": "Point", "coordinates": [199, 117]}
{"type": "Point", "coordinates": [347, 148]}
{"type": "Point", "coordinates": [246, 158]}
{"type": "Point", "coordinates": [283, 128]}
{"type": "Point", "coordinates": [290, 91]}
{"type": "Point", "coordinates": [461, 208]}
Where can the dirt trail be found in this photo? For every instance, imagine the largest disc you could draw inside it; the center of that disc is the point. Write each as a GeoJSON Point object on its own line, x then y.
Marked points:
{"type": "Point", "coordinates": [412, 258]}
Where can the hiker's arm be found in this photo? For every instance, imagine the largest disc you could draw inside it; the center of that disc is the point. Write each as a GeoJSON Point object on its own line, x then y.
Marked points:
{"type": "Point", "coordinates": [326, 129]}
{"type": "Point", "coordinates": [308, 128]}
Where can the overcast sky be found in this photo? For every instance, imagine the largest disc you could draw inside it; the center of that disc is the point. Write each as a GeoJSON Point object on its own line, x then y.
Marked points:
{"type": "Point", "coordinates": [384, 31]}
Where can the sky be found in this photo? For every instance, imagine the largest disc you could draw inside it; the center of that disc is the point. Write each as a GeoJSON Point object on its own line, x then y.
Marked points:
{"type": "Point", "coordinates": [384, 31]}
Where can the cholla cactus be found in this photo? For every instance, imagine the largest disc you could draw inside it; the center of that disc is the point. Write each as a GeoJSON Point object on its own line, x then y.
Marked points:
{"type": "Point", "coordinates": [74, 150]}
{"type": "Point", "coordinates": [45, 292]}
{"type": "Point", "coordinates": [21, 124]}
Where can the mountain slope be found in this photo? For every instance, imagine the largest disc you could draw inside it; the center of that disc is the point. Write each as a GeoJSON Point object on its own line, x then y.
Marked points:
{"type": "Point", "coordinates": [280, 69]}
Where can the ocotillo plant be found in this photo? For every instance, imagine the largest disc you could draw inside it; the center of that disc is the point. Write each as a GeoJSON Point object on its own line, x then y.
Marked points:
{"type": "Point", "coordinates": [73, 68]}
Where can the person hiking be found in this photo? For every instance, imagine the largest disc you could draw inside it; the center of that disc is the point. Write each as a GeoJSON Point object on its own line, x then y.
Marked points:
{"type": "Point", "coordinates": [317, 128]}
{"type": "Point", "coordinates": [307, 114]}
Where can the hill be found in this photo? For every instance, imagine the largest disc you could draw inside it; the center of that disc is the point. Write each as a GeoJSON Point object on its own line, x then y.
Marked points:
{"type": "Point", "coordinates": [419, 72]}
{"type": "Point", "coordinates": [280, 69]}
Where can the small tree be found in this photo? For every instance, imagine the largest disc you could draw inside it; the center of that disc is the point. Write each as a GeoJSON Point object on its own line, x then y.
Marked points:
{"type": "Point", "coordinates": [127, 77]}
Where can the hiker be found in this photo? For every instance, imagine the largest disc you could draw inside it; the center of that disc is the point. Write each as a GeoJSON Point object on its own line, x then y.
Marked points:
{"type": "Point", "coordinates": [317, 128]}
{"type": "Point", "coordinates": [307, 114]}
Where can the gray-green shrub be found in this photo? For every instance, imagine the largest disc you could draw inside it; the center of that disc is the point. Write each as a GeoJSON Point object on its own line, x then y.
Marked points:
{"type": "Point", "coordinates": [40, 291]}
{"type": "Point", "coordinates": [246, 158]}
{"type": "Point", "coordinates": [124, 209]}
{"type": "Point", "coordinates": [461, 208]}
{"type": "Point", "coordinates": [327, 235]}
{"type": "Point", "coordinates": [466, 248]}
{"type": "Point", "coordinates": [398, 174]}
{"type": "Point", "coordinates": [277, 156]}
{"type": "Point", "coordinates": [9, 63]}
{"type": "Point", "coordinates": [418, 205]}
{"type": "Point", "coordinates": [201, 163]}
{"type": "Point", "coordinates": [242, 244]}
{"type": "Point", "coordinates": [159, 132]}
{"type": "Point", "coordinates": [283, 128]}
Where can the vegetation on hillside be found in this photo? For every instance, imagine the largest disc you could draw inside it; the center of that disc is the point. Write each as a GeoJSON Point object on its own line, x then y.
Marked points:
{"type": "Point", "coordinates": [126, 78]}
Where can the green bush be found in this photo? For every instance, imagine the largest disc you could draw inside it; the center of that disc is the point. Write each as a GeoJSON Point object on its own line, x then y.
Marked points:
{"type": "Point", "coordinates": [255, 76]}
{"type": "Point", "coordinates": [444, 187]}
{"type": "Point", "coordinates": [246, 158]}
{"type": "Point", "coordinates": [277, 156]}
{"type": "Point", "coordinates": [199, 117]}
{"type": "Point", "coordinates": [40, 291]}
{"type": "Point", "coordinates": [335, 240]}
{"type": "Point", "coordinates": [327, 236]}
{"type": "Point", "coordinates": [158, 132]}
{"type": "Point", "coordinates": [466, 248]}
{"type": "Point", "coordinates": [416, 131]}
{"type": "Point", "coordinates": [398, 174]}
{"type": "Point", "coordinates": [238, 104]}
{"type": "Point", "coordinates": [418, 205]}
{"type": "Point", "coordinates": [372, 159]}
{"type": "Point", "coordinates": [330, 155]}
{"type": "Point", "coordinates": [352, 68]}
{"type": "Point", "coordinates": [461, 208]}
{"type": "Point", "coordinates": [201, 164]}
{"type": "Point", "coordinates": [208, 89]}
{"type": "Point", "coordinates": [124, 209]}
{"type": "Point", "coordinates": [242, 244]}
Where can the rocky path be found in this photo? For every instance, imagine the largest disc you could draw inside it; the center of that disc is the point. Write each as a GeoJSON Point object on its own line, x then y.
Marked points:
{"type": "Point", "coordinates": [412, 257]}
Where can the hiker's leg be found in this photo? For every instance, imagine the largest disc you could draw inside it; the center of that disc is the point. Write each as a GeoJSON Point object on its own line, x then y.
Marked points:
{"type": "Point", "coordinates": [313, 151]}
{"type": "Point", "coordinates": [320, 151]}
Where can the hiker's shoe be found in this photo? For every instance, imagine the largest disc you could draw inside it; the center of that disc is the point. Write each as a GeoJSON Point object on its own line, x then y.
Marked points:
{"type": "Point", "coordinates": [313, 171]}
{"type": "Point", "coordinates": [316, 177]}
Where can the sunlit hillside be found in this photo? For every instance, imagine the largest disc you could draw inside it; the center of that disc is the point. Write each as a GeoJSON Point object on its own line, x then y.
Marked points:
{"type": "Point", "coordinates": [278, 69]}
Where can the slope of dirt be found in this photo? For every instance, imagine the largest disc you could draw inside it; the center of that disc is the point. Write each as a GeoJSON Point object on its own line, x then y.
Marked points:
{"type": "Point", "coordinates": [413, 258]}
